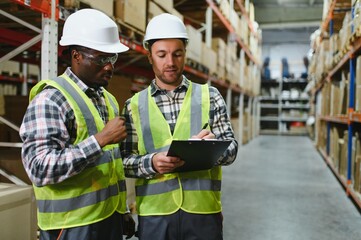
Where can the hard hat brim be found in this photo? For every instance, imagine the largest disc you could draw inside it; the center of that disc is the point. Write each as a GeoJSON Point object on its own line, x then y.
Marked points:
{"type": "Point", "coordinates": [117, 47]}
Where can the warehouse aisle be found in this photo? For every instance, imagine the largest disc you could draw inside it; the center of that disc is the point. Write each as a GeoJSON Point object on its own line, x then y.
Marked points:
{"type": "Point", "coordinates": [280, 188]}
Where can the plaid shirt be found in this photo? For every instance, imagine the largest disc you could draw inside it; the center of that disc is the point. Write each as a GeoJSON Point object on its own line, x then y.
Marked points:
{"type": "Point", "coordinates": [169, 103]}
{"type": "Point", "coordinates": [48, 132]}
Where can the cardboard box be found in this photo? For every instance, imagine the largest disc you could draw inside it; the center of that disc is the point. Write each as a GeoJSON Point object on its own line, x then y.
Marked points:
{"type": "Point", "coordinates": [71, 3]}
{"type": "Point", "coordinates": [17, 212]}
{"type": "Point", "coordinates": [120, 87]}
{"type": "Point", "coordinates": [10, 66]}
{"type": "Point", "coordinates": [14, 115]}
{"type": "Point", "coordinates": [358, 85]}
{"type": "Point", "coordinates": [194, 48]}
{"type": "Point", "coordinates": [209, 58]}
{"type": "Point", "coordinates": [132, 12]}
{"type": "Point", "coordinates": [10, 162]}
{"type": "Point", "coordinates": [2, 104]}
{"type": "Point", "coordinates": [153, 10]}
{"type": "Point", "coordinates": [167, 5]}
{"type": "Point", "coordinates": [219, 46]}
{"type": "Point", "coordinates": [106, 6]}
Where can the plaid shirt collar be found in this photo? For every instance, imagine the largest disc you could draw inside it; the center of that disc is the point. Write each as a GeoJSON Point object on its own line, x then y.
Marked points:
{"type": "Point", "coordinates": [89, 91]}
{"type": "Point", "coordinates": [155, 89]}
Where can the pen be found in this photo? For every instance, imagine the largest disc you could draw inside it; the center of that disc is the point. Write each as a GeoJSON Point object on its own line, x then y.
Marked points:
{"type": "Point", "coordinates": [205, 126]}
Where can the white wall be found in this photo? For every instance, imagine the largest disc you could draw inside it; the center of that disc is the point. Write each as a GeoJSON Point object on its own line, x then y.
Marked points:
{"type": "Point", "coordinates": [294, 54]}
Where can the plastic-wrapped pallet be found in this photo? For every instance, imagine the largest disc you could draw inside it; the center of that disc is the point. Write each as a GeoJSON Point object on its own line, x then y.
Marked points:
{"type": "Point", "coordinates": [17, 212]}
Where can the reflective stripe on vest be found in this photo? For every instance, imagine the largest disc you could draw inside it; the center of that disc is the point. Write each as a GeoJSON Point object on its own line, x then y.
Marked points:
{"type": "Point", "coordinates": [100, 189]}
{"type": "Point", "coordinates": [65, 205]}
{"type": "Point", "coordinates": [187, 184]}
{"type": "Point", "coordinates": [88, 116]}
{"type": "Point", "coordinates": [157, 188]}
{"type": "Point", "coordinates": [195, 192]}
{"type": "Point", "coordinates": [196, 117]}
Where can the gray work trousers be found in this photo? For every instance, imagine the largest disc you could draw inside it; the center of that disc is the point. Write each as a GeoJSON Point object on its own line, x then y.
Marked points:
{"type": "Point", "coordinates": [107, 229]}
{"type": "Point", "coordinates": [181, 226]}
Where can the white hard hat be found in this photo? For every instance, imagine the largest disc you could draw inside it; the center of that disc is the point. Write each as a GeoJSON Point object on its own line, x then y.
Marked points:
{"type": "Point", "coordinates": [164, 26]}
{"type": "Point", "coordinates": [92, 29]}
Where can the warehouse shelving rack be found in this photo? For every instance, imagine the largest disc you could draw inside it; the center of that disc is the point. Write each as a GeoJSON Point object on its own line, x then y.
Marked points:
{"type": "Point", "coordinates": [44, 38]}
{"type": "Point", "coordinates": [246, 99]}
{"type": "Point", "coordinates": [278, 112]}
{"type": "Point", "coordinates": [270, 106]}
{"type": "Point", "coordinates": [349, 121]}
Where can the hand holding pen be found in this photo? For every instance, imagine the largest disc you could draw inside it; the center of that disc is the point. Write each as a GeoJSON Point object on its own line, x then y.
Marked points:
{"type": "Point", "coordinates": [204, 133]}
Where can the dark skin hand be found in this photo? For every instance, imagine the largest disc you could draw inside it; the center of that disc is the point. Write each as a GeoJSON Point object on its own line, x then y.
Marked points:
{"type": "Point", "coordinates": [128, 225]}
{"type": "Point", "coordinates": [166, 164]}
{"type": "Point", "coordinates": [113, 132]}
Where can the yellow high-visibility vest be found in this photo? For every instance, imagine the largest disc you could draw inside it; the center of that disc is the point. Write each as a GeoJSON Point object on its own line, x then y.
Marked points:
{"type": "Point", "coordinates": [99, 190]}
{"type": "Point", "coordinates": [194, 192]}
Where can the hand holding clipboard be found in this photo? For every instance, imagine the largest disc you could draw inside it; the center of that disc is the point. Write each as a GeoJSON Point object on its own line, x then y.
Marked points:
{"type": "Point", "coordinates": [198, 154]}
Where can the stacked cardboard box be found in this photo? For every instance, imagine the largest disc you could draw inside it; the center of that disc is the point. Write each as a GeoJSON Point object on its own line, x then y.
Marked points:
{"type": "Point", "coordinates": [194, 48]}
{"type": "Point", "coordinates": [356, 166]}
{"type": "Point", "coordinates": [154, 10]}
{"type": "Point", "coordinates": [326, 100]}
{"type": "Point", "coordinates": [345, 31]}
{"type": "Point", "coordinates": [209, 59]}
{"type": "Point", "coordinates": [131, 12]}
{"type": "Point", "coordinates": [71, 4]}
{"type": "Point", "coordinates": [219, 46]}
{"type": "Point", "coordinates": [358, 85]}
{"type": "Point", "coordinates": [157, 7]}
{"type": "Point", "coordinates": [165, 4]}
{"type": "Point", "coordinates": [225, 8]}
{"type": "Point", "coordinates": [335, 136]}
{"type": "Point", "coordinates": [120, 87]}
{"type": "Point", "coordinates": [106, 6]}
{"type": "Point", "coordinates": [231, 59]}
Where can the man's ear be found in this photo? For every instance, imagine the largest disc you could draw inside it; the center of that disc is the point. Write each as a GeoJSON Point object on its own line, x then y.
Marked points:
{"type": "Point", "coordinates": [75, 55]}
{"type": "Point", "coordinates": [149, 55]}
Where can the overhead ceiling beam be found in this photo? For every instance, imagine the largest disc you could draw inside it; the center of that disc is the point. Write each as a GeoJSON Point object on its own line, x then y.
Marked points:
{"type": "Point", "coordinates": [280, 14]}
{"type": "Point", "coordinates": [287, 25]}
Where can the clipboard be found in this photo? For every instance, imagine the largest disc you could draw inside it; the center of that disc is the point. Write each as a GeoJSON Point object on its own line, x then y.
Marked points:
{"type": "Point", "coordinates": [198, 154]}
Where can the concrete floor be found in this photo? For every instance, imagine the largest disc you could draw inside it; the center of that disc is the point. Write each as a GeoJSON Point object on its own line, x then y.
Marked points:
{"type": "Point", "coordinates": [280, 188]}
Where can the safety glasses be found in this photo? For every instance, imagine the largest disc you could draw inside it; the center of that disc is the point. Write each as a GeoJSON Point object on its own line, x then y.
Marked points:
{"type": "Point", "coordinates": [100, 60]}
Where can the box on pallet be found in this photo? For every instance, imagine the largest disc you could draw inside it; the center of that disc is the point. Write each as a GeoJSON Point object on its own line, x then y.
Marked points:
{"type": "Point", "coordinates": [165, 4]}
{"type": "Point", "coordinates": [120, 86]}
{"type": "Point", "coordinates": [358, 85]}
{"type": "Point", "coordinates": [2, 104]}
{"type": "Point", "coordinates": [71, 3]}
{"type": "Point", "coordinates": [105, 6]}
{"type": "Point", "coordinates": [153, 10]}
{"type": "Point", "coordinates": [219, 46]}
{"type": "Point", "coordinates": [209, 58]}
{"type": "Point", "coordinates": [132, 12]}
{"type": "Point", "coordinates": [194, 48]}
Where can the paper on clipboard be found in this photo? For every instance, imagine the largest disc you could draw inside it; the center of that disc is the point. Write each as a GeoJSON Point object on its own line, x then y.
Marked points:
{"type": "Point", "coordinates": [198, 154]}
